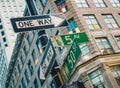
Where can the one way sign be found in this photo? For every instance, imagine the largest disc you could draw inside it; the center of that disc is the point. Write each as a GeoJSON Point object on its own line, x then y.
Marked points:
{"type": "Point", "coordinates": [38, 22]}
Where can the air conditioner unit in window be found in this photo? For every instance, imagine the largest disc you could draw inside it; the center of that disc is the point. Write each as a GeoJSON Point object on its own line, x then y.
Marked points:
{"type": "Point", "coordinates": [104, 51]}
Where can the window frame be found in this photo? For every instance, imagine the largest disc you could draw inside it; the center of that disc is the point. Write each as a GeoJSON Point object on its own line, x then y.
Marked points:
{"type": "Point", "coordinates": [82, 4]}
{"type": "Point", "coordinates": [61, 5]}
{"type": "Point", "coordinates": [99, 76]}
{"type": "Point", "coordinates": [114, 4]}
{"type": "Point", "coordinates": [116, 73]}
{"type": "Point", "coordinates": [110, 21]}
{"type": "Point", "coordinates": [100, 3]}
{"type": "Point", "coordinates": [92, 22]}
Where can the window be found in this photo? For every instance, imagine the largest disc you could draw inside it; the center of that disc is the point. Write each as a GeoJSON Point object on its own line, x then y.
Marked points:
{"type": "Point", "coordinates": [36, 83]}
{"type": "Point", "coordinates": [110, 21]}
{"type": "Point", "coordinates": [23, 83]}
{"type": "Point", "coordinates": [118, 40]}
{"type": "Point", "coordinates": [34, 55]}
{"type": "Point", "coordinates": [12, 37]}
{"type": "Point", "coordinates": [1, 27]}
{"type": "Point", "coordinates": [13, 81]}
{"type": "Point", "coordinates": [82, 3]}
{"type": "Point", "coordinates": [42, 32]}
{"type": "Point", "coordinates": [42, 37]}
{"type": "Point", "coordinates": [44, 40]}
{"type": "Point", "coordinates": [9, 8]}
{"type": "Point", "coordinates": [104, 45]}
{"type": "Point", "coordinates": [72, 27]}
{"type": "Point", "coordinates": [3, 33]}
{"type": "Point", "coordinates": [19, 86]}
{"type": "Point", "coordinates": [27, 76]}
{"type": "Point", "coordinates": [19, 67]}
{"type": "Point", "coordinates": [13, 0]}
{"type": "Point", "coordinates": [16, 75]}
{"type": "Point", "coordinates": [84, 49]}
{"type": "Point", "coordinates": [61, 5]}
{"type": "Point", "coordinates": [25, 49]}
{"type": "Point", "coordinates": [115, 3]}
{"type": "Point", "coordinates": [97, 79]}
{"type": "Point", "coordinates": [30, 67]}
{"type": "Point", "coordinates": [22, 59]}
{"type": "Point", "coordinates": [92, 22]}
{"type": "Point", "coordinates": [38, 43]}
{"type": "Point", "coordinates": [99, 3]}
{"type": "Point", "coordinates": [48, 12]}
{"type": "Point", "coordinates": [5, 13]}
{"type": "Point", "coordinates": [6, 45]}
{"type": "Point", "coordinates": [4, 8]}
{"type": "Point", "coordinates": [2, 2]}
{"type": "Point", "coordinates": [0, 45]}
{"type": "Point", "coordinates": [29, 38]}
{"type": "Point", "coordinates": [116, 73]}
{"type": "Point", "coordinates": [4, 39]}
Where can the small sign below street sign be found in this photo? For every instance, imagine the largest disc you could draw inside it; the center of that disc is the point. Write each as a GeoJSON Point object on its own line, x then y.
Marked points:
{"type": "Point", "coordinates": [38, 22]}
{"type": "Point", "coordinates": [64, 40]}
{"type": "Point", "coordinates": [48, 58]}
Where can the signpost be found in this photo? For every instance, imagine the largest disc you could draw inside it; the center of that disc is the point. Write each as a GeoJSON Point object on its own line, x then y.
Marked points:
{"type": "Point", "coordinates": [38, 22]}
{"type": "Point", "coordinates": [48, 58]}
{"type": "Point", "coordinates": [71, 59]}
{"type": "Point", "coordinates": [67, 39]}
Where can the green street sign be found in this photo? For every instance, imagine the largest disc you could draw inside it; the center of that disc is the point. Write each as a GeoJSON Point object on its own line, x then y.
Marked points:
{"type": "Point", "coordinates": [71, 58]}
{"type": "Point", "coordinates": [64, 74]}
{"type": "Point", "coordinates": [65, 40]}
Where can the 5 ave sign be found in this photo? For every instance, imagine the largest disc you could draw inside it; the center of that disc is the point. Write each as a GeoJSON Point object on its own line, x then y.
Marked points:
{"type": "Point", "coordinates": [67, 39]}
{"type": "Point", "coordinates": [71, 60]}
{"type": "Point", "coordinates": [38, 22]}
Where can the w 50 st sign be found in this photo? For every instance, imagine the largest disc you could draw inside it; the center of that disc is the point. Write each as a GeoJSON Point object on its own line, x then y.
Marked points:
{"type": "Point", "coordinates": [71, 60]}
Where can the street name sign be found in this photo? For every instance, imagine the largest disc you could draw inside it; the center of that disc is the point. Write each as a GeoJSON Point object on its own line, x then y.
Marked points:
{"type": "Point", "coordinates": [71, 60]}
{"type": "Point", "coordinates": [64, 40]}
{"type": "Point", "coordinates": [38, 22]}
{"type": "Point", "coordinates": [48, 58]}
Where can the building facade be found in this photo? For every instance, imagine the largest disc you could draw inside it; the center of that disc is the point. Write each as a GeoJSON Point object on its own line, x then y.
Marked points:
{"type": "Point", "coordinates": [3, 60]}
{"type": "Point", "coordinates": [99, 19]}
{"type": "Point", "coordinates": [97, 67]}
{"type": "Point", "coordinates": [3, 65]}
{"type": "Point", "coordinates": [10, 9]}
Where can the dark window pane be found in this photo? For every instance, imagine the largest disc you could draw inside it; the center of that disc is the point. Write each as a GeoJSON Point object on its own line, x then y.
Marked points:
{"type": "Point", "coordinates": [36, 84]}
{"type": "Point", "coordinates": [27, 76]}
{"type": "Point", "coordinates": [30, 67]}
{"type": "Point", "coordinates": [43, 40]}
{"type": "Point", "coordinates": [62, 6]}
{"type": "Point", "coordinates": [6, 45]}
{"type": "Point", "coordinates": [1, 27]}
{"type": "Point", "coordinates": [3, 33]}
{"type": "Point", "coordinates": [23, 83]}
{"type": "Point", "coordinates": [34, 55]}
{"type": "Point", "coordinates": [41, 32]}
{"type": "Point", "coordinates": [4, 39]}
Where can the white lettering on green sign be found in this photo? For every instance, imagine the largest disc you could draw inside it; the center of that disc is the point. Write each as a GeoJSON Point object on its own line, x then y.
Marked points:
{"type": "Point", "coordinates": [71, 59]}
